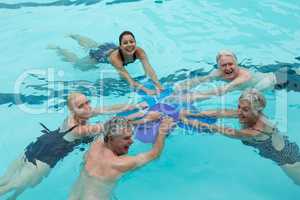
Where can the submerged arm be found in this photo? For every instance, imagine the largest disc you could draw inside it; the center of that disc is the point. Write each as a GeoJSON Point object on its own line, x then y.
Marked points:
{"type": "Point", "coordinates": [234, 133]}
{"type": "Point", "coordinates": [191, 83]}
{"type": "Point", "coordinates": [124, 73]}
{"type": "Point", "coordinates": [226, 131]}
{"type": "Point", "coordinates": [113, 109]}
{"type": "Point", "coordinates": [217, 91]}
{"type": "Point", "coordinates": [149, 69]}
{"type": "Point", "coordinates": [211, 113]}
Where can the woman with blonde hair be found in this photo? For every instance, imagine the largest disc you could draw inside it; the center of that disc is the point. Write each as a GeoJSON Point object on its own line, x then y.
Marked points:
{"type": "Point", "coordinates": [51, 147]}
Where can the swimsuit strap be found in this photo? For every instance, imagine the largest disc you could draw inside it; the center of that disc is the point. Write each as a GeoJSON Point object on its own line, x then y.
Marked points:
{"type": "Point", "coordinates": [121, 54]}
{"type": "Point", "coordinates": [70, 129]}
{"type": "Point", "coordinates": [46, 130]}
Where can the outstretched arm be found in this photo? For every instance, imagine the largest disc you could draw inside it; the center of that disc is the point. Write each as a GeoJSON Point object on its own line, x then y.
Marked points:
{"type": "Point", "coordinates": [149, 117]}
{"type": "Point", "coordinates": [210, 113]}
{"type": "Point", "coordinates": [113, 109]}
{"type": "Point", "coordinates": [148, 68]}
{"type": "Point", "coordinates": [191, 83]}
{"type": "Point", "coordinates": [229, 132]}
{"type": "Point", "coordinates": [124, 73]}
{"type": "Point", "coordinates": [196, 96]}
{"type": "Point", "coordinates": [128, 163]}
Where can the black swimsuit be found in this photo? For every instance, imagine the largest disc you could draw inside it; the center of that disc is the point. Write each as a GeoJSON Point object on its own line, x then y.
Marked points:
{"type": "Point", "coordinates": [123, 58]}
{"type": "Point", "coordinates": [101, 53]}
{"type": "Point", "coordinates": [52, 147]}
{"type": "Point", "coordinates": [290, 154]}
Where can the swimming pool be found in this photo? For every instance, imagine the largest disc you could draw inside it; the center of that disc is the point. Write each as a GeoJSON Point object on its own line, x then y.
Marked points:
{"type": "Point", "coordinates": [179, 37]}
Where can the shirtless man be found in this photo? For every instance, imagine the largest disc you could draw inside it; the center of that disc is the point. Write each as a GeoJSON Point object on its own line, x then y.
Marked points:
{"type": "Point", "coordinates": [42, 155]}
{"type": "Point", "coordinates": [228, 71]}
{"type": "Point", "coordinates": [106, 161]}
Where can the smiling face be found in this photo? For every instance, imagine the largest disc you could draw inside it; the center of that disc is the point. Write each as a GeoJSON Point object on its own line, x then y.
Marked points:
{"type": "Point", "coordinates": [121, 143]}
{"type": "Point", "coordinates": [128, 44]}
{"type": "Point", "coordinates": [245, 113]}
{"type": "Point", "coordinates": [80, 106]}
{"type": "Point", "coordinates": [228, 67]}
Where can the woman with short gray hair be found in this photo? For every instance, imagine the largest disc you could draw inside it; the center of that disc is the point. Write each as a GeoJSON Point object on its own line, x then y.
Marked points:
{"type": "Point", "coordinates": [256, 132]}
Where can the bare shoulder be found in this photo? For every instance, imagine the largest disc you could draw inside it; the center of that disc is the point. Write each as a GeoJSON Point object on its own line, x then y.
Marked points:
{"type": "Point", "coordinates": [115, 59]}
{"type": "Point", "coordinates": [258, 129]}
{"type": "Point", "coordinates": [215, 73]}
{"type": "Point", "coordinates": [126, 163]}
{"type": "Point", "coordinates": [95, 148]}
{"type": "Point", "coordinates": [249, 132]}
{"type": "Point", "coordinates": [140, 53]}
{"type": "Point", "coordinates": [266, 125]}
{"type": "Point", "coordinates": [245, 73]}
{"type": "Point", "coordinates": [70, 124]}
{"type": "Point", "coordinates": [94, 154]}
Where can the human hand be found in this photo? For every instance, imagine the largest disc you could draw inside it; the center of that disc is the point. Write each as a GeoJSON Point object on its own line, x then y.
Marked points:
{"type": "Point", "coordinates": [159, 87]}
{"type": "Point", "coordinates": [158, 91]}
{"type": "Point", "coordinates": [184, 113]}
{"type": "Point", "coordinates": [150, 92]}
{"type": "Point", "coordinates": [166, 125]}
{"type": "Point", "coordinates": [143, 105]}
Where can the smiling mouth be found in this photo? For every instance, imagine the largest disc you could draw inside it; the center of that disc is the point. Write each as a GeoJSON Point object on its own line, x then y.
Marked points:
{"type": "Point", "coordinates": [229, 71]}
{"type": "Point", "coordinates": [130, 49]}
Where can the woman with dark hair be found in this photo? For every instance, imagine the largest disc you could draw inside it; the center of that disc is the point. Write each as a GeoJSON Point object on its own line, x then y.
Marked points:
{"type": "Point", "coordinates": [119, 56]}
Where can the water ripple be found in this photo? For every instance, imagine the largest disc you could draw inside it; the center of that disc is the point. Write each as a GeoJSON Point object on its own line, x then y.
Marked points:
{"type": "Point", "coordinates": [55, 3]}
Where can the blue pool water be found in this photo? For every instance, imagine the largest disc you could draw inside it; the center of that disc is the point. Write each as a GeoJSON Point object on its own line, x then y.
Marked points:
{"type": "Point", "coordinates": [180, 37]}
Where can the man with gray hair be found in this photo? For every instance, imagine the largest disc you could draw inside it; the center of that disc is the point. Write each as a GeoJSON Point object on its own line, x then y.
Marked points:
{"type": "Point", "coordinates": [106, 161]}
{"type": "Point", "coordinates": [228, 71]}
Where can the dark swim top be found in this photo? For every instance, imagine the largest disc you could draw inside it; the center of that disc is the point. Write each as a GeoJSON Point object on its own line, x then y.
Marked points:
{"type": "Point", "coordinates": [101, 53]}
{"type": "Point", "coordinates": [52, 147]}
{"type": "Point", "coordinates": [123, 58]}
{"type": "Point", "coordinates": [288, 155]}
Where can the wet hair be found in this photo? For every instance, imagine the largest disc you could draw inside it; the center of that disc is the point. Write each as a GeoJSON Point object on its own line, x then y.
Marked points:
{"type": "Point", "coordinates": [125, 33]}
{"type": "Point", "coordinates": [114, 126]}
{"type": "Point", "coordinates": [71, 98]}
{"type": "Point", "coordinates": [225, 52]}
{"type": "Point", "coordinates": [255, 98]}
